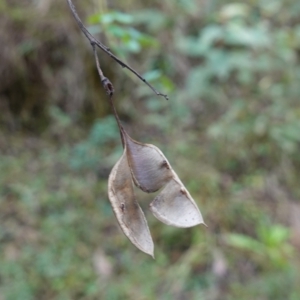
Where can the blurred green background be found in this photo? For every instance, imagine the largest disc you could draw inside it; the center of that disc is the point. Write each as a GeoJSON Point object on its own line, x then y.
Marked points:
{"type": "Point", "coordinates": [231, 130]}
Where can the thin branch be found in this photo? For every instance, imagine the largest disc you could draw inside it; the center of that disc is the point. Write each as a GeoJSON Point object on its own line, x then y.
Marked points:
{"type": "Point", "coordinates": [94, 42]}
{"type": "Point", "coordinates": [97, 63]}
{"type": "Point", "coordinates": [109, 88]}
{"type": "Point", "coordinates": [121, 129]}
{"type": "Point", "coordinates": [110, 91]}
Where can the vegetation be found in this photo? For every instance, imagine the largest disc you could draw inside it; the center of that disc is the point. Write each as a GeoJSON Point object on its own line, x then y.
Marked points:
{"type": "Point", "coordinates": [231, 130]}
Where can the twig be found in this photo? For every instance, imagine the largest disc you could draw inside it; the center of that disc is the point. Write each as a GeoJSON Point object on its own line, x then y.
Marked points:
{"type": "Point", "coordinates": [110, 91]}
{"type": "Point", "coordinates": [121, 129]}
{"type": "Point", "coordinates": [94, 42]}
{"type": "Point", "coordinates": [105, 81]}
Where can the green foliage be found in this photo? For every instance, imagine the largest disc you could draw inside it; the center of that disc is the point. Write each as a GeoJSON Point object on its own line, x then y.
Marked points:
{"type": "Point", "coordinates": [119, 28]}
{"type": "Point", "coordinates": [91, 153]}
{"type": "Point", "coordinates": [231, 131]}
{"type": "Point", "coordinates": [241, 49]}
{"type": "Point", "coordinates": [271, 248]}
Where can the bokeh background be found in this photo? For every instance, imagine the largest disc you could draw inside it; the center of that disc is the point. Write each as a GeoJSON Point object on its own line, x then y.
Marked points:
{"type": "Point", "coordinates": [231, 130]}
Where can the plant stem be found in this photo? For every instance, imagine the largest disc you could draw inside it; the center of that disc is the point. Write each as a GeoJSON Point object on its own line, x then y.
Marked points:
{"type": "Point", "coordinates": [94, 42]}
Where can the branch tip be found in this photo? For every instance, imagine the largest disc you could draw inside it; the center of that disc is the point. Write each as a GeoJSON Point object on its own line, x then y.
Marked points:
{"type": "Point", "coordinates": [94, 42]}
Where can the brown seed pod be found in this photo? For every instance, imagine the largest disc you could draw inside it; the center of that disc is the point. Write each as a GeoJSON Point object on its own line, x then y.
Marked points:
{"type": "Point", "coordinates": [128, 212]}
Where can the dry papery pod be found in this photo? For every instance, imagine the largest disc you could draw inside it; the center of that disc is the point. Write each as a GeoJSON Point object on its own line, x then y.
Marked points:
{"type": "Point", "coordinates": [149, 169]}
{"type": "Point", "coordinates": [128, 212]}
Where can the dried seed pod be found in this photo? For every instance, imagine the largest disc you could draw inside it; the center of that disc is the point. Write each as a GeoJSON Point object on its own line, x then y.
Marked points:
{"type": "Point", "coordinates": [175, 206]}
{"type": "Point", "coordinates": [128, 212]}
{"type": "Point", "coordinates": [151, 171]}
{"type": "Point", "coordinates": [149, 168]}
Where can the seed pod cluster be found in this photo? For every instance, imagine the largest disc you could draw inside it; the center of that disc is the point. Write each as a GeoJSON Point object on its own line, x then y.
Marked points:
{"type": "Point", "coordinates": [147, 167]}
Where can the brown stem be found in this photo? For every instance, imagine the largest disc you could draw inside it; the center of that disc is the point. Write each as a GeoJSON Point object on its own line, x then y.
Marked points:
{"type": "Point", "coordinates": [98, 63]}
{"type": "Point", "coordinates": [110, 91]}
{"type": "Point", "coordinates": [121, 129]}
{"type": "Point", "coordinates": [105, 81]}
{"type": "Point", "coordinates": [94, 42]}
